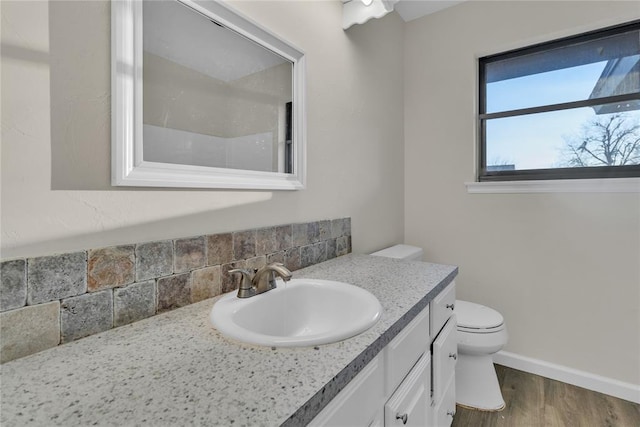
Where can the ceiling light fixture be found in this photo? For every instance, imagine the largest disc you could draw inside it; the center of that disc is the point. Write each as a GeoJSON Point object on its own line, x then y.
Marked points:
{"type": "Point", "coordinates": [360, 11]}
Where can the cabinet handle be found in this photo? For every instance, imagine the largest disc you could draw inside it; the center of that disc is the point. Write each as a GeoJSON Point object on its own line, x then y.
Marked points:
{"type": "Point", "coordinates": [455, 356]}
{"type": "Point", "coordinates": [451, 306]}
{"type": "Point", "coordinates": [452, 413]}
{"type": "Point", "coordinates": [402, 417]}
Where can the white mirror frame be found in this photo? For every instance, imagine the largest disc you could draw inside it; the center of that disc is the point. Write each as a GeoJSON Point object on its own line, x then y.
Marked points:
{"type": "Point", "coordinates": [127, 165]}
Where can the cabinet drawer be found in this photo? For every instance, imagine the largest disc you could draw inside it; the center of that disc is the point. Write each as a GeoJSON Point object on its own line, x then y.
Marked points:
{"type": "Point", "coordinates": [445, 356]}
{"type": "Point", "coordinates": [405, 350]}
{"type": "Point", "coordinates": [441, 308]}
{"type": "Point", "coordinates": [409, 405]}
{"type": "Point", "coordinates": [446, 408]}
{"type": "Point", "coordinates": [359, 403]}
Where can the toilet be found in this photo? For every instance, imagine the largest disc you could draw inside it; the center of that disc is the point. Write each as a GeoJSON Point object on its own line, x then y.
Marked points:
{"type": "Point", "coordinates": [403, 252]}
{"type": "Point", "coordinates": [481, 333]}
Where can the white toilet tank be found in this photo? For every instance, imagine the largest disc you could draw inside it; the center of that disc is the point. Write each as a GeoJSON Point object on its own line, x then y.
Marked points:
{"type": "Point", "coordinates": [404, 252]}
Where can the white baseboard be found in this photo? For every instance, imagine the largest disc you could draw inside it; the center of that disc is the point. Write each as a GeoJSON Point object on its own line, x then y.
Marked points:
{"type": "Point", "coordinates": [620, 389]}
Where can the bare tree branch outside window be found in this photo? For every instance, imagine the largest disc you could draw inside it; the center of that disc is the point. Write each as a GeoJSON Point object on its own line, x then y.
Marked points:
{"type": "Point", "coordinates": [613, 140]}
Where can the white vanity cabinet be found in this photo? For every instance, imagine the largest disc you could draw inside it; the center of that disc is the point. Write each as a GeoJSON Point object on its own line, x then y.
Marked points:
{"type": "Point", "coordinates": [404, 350]}
{"type": "Point", "coordinates": [441, 309]}
{"type": "Point", "coordinates": [360, 402]}
{"type": "Point", "coordinates": [408, 375]}
{"type": "Point", "coordinates": [409, 405]}
{"type": "Point", "coordinates": [411, 382]}
{"type": "Point", "coordinates": [444, 350]}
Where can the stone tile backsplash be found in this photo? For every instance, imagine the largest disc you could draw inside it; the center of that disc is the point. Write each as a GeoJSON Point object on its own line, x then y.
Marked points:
{"type": "Point", "coordinates": [51, 278]}
{"type": "Point", "coordinates": [46, 301]}
{"type": "Point", "coordinates": [111, 267]}
{"type": "Point", "coordinates": [14, 284]}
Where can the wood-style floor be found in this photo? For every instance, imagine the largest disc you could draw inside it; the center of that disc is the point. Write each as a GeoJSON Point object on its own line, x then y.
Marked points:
{"type": "Point", "coordinates": [534, 401]}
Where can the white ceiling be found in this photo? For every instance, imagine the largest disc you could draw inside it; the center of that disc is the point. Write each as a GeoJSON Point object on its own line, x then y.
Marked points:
{"type": "Point", "coordinates": [413, 9]}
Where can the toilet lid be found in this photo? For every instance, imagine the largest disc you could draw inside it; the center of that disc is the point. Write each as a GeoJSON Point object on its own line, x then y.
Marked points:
{"type": "Point", "coordinates": [475, 316]}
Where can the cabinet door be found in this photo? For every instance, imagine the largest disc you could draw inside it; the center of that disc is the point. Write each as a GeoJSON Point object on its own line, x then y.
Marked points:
{"type": "Point", "coordinates": [445, 356]}
{"type": "Point", "coordinates": [359, 403]}
{"type": "Point", "coordinates": [405, 349]}
{"type": "Point", "coordinates": [446, 408]}
{"type": "Point", "coordinates": [410, 404]}
{"type": "Point", "coordinates": [442, 308]}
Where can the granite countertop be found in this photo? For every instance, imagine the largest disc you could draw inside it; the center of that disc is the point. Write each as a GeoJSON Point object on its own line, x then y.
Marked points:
{"type": "Point", "coordinates": [175, 368]}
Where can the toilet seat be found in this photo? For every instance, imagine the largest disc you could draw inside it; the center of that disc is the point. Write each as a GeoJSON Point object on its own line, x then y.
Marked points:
{"type": "Point", "coordinates": [476, 318]}
{"type": "Point", "coordinates": [462, 329]}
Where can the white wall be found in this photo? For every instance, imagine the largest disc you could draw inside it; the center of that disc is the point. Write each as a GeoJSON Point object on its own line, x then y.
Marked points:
{"type": "Point", "coordinates": [56, 193]}
{"type": "Point", "coordinates": [564, 269]}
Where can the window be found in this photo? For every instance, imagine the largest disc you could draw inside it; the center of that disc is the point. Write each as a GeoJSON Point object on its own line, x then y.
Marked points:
{"type": "Point", "coordinates": [564, 109]}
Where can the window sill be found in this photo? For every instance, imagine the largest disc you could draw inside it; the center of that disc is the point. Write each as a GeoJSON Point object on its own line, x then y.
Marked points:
{"type": "Point", "coordinates": [608, 185]}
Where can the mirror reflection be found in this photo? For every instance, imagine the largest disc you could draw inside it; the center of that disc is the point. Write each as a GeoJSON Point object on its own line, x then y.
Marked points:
{"type": "Point", "coordinates": [212, 97]}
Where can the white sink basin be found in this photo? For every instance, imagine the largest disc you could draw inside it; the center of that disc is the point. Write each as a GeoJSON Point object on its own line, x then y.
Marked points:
{"type": "Point", "coordinates": [301, 312]}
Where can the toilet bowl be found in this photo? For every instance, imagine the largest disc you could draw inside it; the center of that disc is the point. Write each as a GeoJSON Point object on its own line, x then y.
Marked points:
{"type": "Point", "coordinates": [481, 333]}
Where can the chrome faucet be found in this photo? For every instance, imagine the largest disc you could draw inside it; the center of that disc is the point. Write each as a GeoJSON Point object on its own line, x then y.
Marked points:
{"type": "Point", "coordinates": [260, 280]}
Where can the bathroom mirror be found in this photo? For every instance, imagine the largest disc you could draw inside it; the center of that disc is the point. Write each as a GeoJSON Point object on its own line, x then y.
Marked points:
{"type": "Point", "coordinates": [204, 97]}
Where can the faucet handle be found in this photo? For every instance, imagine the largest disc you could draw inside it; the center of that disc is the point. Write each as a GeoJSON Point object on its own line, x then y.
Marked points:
{"type": "Point", "coordinates": [246, 288]}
